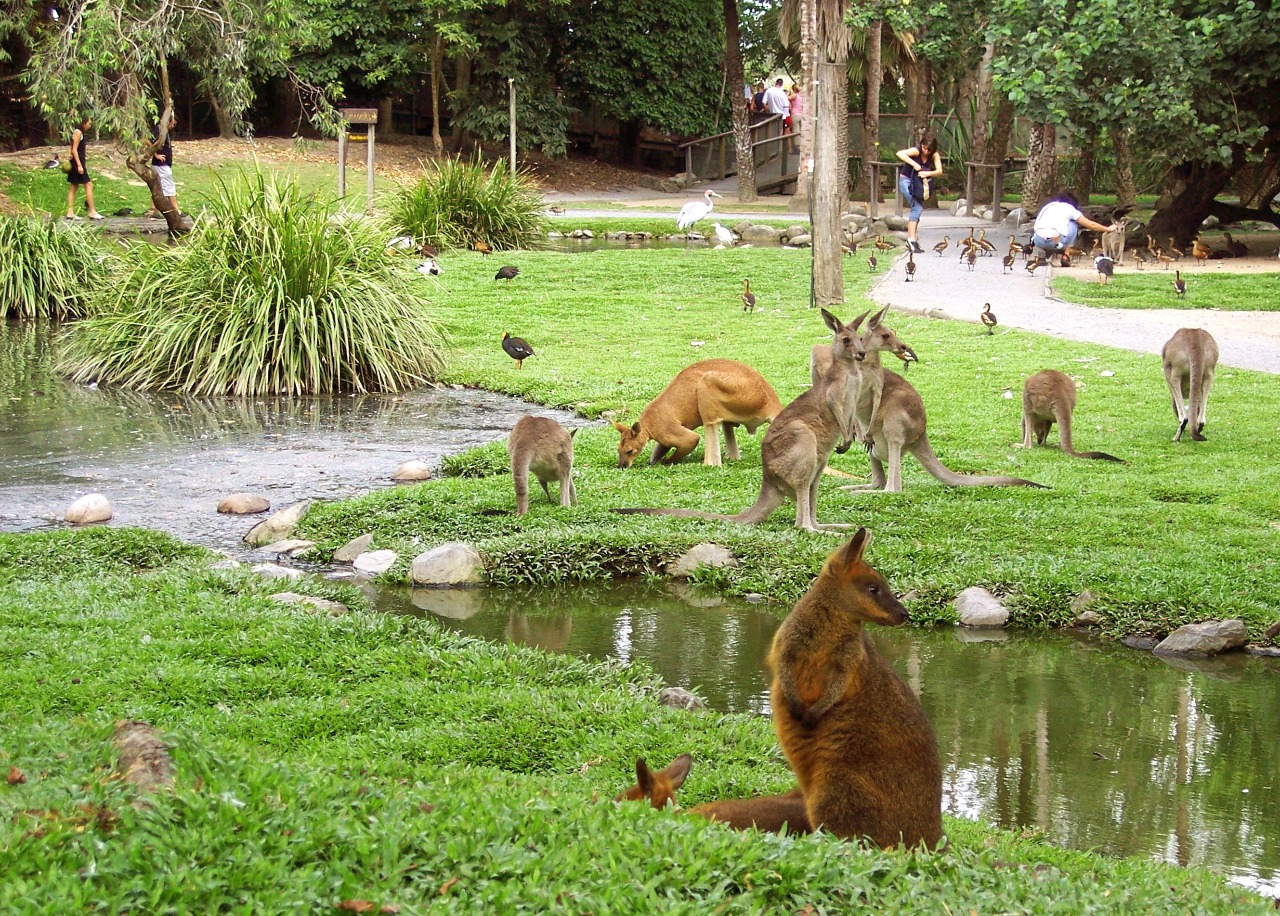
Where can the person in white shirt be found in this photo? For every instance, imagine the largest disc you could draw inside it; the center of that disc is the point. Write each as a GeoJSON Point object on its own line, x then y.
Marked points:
{"type": "Point", "coordinates": [775, 99]}
{"type": "Point", "coordinates": [1057, 225]}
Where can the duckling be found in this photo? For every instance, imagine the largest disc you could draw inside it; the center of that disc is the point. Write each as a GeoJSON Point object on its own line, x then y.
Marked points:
{"type": "Point", "coordinates": [481, 246]}
{"type": "Point", "coordinates": [1006, 263]}
{"type": "Point", "coordinates": [1141, 258]}
{"type": "Point", "coordinates": [883, 244]}
{"type": "Point", "coordinates": [1027, 251]}
{"type": "Point", "coordinates": [1179, 284]}
{"type": "Point", "coordinates": [748, 297]}
{"type": "Point", "coordinates": [1033, 266]}
{"type": "Point", "coordinates": [942, 246]}
{"type": "Point", "coordinates": [967, 242]}
{"type": "Point", "coordinates": [556, 210]}
{"type": "Point", "coordinates": [1235, 249]}
{"type": "Point", "coordinates": [1200, 251]}
{"type": "Point", "coordinates": [988, 318]}
{"type": "Point", "coordinates": [1014, 247]}
{"type": "Point", "coordinates": [971, 256]}
{"type": "Point", "coordinates": [517, 348]}
{"type": "Point", "coordinates": [1163, 258]}
{"type": "Point", "coordinates": [911, 264]}
{"type": "Point", "coordinates": [507, 273]}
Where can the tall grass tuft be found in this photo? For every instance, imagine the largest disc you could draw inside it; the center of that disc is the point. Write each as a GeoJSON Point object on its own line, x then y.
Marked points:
{"type": "Point", "coordinates": [269, 295]}
{"type": "Point", "coordinates": [458, 203]}
{"type": "Point", "coordinates": [47, 268]}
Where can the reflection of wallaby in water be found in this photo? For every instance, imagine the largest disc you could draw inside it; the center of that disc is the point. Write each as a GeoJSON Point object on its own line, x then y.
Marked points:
{"type": "Point", "coordinates": [551, 633]}
{"type": "Point", "coordinates": [800, 440]}
{"type": "Point", "coordinates": [856, 736]}
{"type": "Point", "coordinates": [1190, 357]}
{"type": "Point", "coordinates": [545, 448]}
{"type": "Point", "coordinates": [1049, 397]}
{"type": "Point", "coordinates": [770, 813]}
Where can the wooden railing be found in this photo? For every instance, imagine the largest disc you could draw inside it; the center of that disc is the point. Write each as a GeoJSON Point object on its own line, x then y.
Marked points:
{"type": "Point", "coordinates": [997, 188]}
{"type": "Point", "coordinates": [715, 157]}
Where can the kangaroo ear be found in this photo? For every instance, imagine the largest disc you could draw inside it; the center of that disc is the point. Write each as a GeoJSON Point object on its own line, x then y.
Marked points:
{"type": "Point", "coordinates": [877, 318]}
{"type": "Point", "coordinates": [621, 427]}
{"type": "Point", "coordinates": [635, 428]}
{"type": "Point", "coordinates": [573, 432]}
{"type": "Point", "coordinates": [853, 326]}
{"type": "Point", "coordinates": [678, 770]}
{"type": "Point", "coordinates": [644, 778]}
{"type": "Point", "coordinates": [856, 547]}
{"type": "Point", "coordinates": [832, 321]}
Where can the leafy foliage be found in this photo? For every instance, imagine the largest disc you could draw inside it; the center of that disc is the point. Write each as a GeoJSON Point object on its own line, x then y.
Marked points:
{"type": "Point", "coordinates": [47, 268]}
{"type": "Point", "coordinates": [270, 295]}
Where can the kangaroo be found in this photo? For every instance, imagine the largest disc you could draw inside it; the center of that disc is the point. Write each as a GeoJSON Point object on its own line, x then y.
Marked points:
{"type": "Point", "coordinates": [898, 423]}
{"type": "Point", "coordinates": [856, 736]}
{"type": "Point", "coordinates": [820, 354]}
{"type": "Point", "coordinates": [1189, 357]}
{"type": "Point", "coordinates": [1049, 397]}
{"type": "Point", "coordinates": [800, 440]}
{"type": "Point", "coordinates": [714, 393]}
{"type": "Point", "coordinates": [544, 447]}
{"type": "Point", "coordinates": [770, 813]}
{"type": "Point", "coordinates": [1113, 243]}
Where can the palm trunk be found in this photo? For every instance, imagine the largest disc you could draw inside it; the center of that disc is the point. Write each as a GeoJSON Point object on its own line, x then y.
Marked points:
{"type": "Point", "coordinates": [980, 150]}
{"type": "Point", "coordinates": [808, 28]}
{"type": "Point", "coordinates": [461, 82]}
{"type": "Point", "coordinates": [437, 62]}
{"type": "Point", "coordinates": [828, 195]}
{"type": "Point", "coordinates": [1042, 170]}
{"type": "Point", "coordinates": [871, 108]}
{"type": "Point", "coordinates": [741, 117]}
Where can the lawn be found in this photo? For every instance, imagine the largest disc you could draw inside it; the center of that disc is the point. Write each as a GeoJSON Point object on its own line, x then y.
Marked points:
{"type": "Point", "coordinates": [1153, 289]}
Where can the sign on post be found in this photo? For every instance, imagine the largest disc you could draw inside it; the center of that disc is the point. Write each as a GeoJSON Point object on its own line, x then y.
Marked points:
{"type": "Point", "coordinates": [363, 116]}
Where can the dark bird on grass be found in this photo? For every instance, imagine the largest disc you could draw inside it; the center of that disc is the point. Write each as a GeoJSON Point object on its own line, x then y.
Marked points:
{"type": "Point", "coordinates": [517, 348]}
{"type": "Point", "coordinates": [481, 246]}
{"type": "Point", "coordinates": [124, 211]}
{"type": "Point", "coordinates": [53, 163]}
{"type": "Point", "coordinates": [871, 261]}
{"type": "Point", "coordinates": [1106, 268]}
{"type": "Point", "coordinates": [507, 273]}
{"type": "Point", "coordinates": [911, 264]}
{"type": "Point", "coordinates": [1006, 263]}
{"type": "Point", "coordinates": [942, 246]}
{"type": "Point", "coordinates": [429, 268]}
{"type": "Point", "coordinates": [989, 318]}
{"type": "Point", "coordinates": [1179, 284]}
{"type": "Point", "coordinates": [748, 297]}
{"type": "Point", "coordinates": [971, 256]}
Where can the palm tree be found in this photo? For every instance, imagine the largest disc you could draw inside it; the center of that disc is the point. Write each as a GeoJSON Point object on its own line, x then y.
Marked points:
{"type": "Point", "coordinates": [741, 119]}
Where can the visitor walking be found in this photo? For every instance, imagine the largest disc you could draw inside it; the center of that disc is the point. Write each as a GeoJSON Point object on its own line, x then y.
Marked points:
{"type": "Point", "coordinates": [759, 110]}
{"type": "Point", "coordinates": [919, 164]}
{"type": "Point", "coordinates": [776, 101]}
{"type": "Point", "coordinates": [797, 113]}
{"type": "Point", "coordinates": [78, 174]}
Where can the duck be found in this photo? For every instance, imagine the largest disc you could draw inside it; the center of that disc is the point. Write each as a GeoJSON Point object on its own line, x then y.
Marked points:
{"type": "Point", "coordinates": [1235, 249]}
{"type": "Point", "coordinates": [911, 264]}
{"type": "Point", "coordinates": [429, 268]}
{"type": "Point", "coordinates": [1200, 251]}
{"type": "Point", "coordinates": [850, 249]}
{"type": "Point", "coordinates": [428, 251]}
{"type": "Point", "coordinates": [1174, 251]}
{"type": "Point", "coordinates": [556, 210]}
{"type": "Point", "coordinates": [1179, 284]}
{"type": "Point", "coordinates": [982, 243]}
{"type": "Point", "coordinates": [871, 261]}
{"type": "Point", "coordinates": [695, 210]}
{"type": "Point", "coordinates": [517, 348]}
{"type": "Point", "coordinates": [1141, 258]}
{"type": "Point", "coordinates": [748, 297]}
{"type": "Point", "coordinates": [507, 273]}
{"type": "Point", "coordinates": [966, 243]}
{"type": "Point", "coordinates": [988, 318]}
{"type": "Point", "coordinates": [882, 244]}
{"type": "Point", "coordinates": [942, 246]}
{"type": "Point", "coordinates": [481, 246]}
{"type": "Point", "coordinates": [1034, 265]}
{"type": "Point", "coordinates": [971, 256]}
{"type": "Point", "coordinates": [1014, 247]}
{"type": "Point", "coordinates": [1006, 263]}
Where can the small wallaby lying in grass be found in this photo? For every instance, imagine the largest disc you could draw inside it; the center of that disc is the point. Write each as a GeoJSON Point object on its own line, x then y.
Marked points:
{"type": "Point", "coordinates": [545, 448]}
{"type": "Point", "coordinates": [856, 736]}
{"type": "Point", "coordinates": [770, 813]}
{"type": "Point", "coordinates": [800, 440]}
{"type": "Point", "coordinates": [715, 394]}
{"type": "Point", "coordinates": [1049, 397]}
{"type": "Point", "coordinates": [1190, 357]}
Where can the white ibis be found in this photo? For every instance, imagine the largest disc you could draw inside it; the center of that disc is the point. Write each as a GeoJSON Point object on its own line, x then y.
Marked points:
{"type": "Point", "coordinates": [517, 348]}
{"type": "Point", "coordinates": [725, 236]}
{"type": "Point", "coordinates": [695, 210]}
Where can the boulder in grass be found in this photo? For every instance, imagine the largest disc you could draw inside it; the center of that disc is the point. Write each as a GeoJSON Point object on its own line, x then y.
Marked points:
{"type": "Point", "coordinates": [90, 508]}
{"type": "Point", "coordinates": [411, 472]}
{"type": "Point", "coordinates": [1211, 638]}
{"type": "Point", "coordinates": [450, 564]}
{"type": "Point", "coordinates": [278, 526]}
{"type": "Point", "coordinates": [273, 571]}
{"type": "Point", "coordinates": [375, 562]}
{"type": "Point", "coordinates": [977, 607]}
{"type": "Point", "coordinates": [679, 698]}
{"type": "Point", "coordinates": [707, 554]}
{"type": "Point", "coordinates": [244, 504]}
{"type": "Point", "coordinates": [348, 552]}
{"type": "Point", "coordinates": [332, 608]}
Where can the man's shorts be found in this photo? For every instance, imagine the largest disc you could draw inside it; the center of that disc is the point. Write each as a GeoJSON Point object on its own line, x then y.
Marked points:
{"type": "Point", "coordinates": [165, 174]}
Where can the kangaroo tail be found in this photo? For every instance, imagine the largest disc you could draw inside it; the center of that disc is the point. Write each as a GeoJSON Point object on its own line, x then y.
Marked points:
{"type": "Point", "coordinates": [678, 513]}
{"type": "Point", "coordinates": [1064, 437]}
{"type": "Point", "coordinates": [924, 454]}
{"type": "Point", "coordinates": [763, 507]}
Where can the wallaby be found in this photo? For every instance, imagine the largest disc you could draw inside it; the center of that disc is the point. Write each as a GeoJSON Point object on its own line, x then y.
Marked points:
{"type": "Point", "coordinates": [1113, 242]}
{"type": "Point", "coordinates": [800, 440]}
{"type": "Point", "coordinates": [713, 393]}
{"type": "Point", "coordinates": [1190, 357]}
{"type": "Point", "coordinates": [770, 813]}
{"type": "Point", "coordinates": [898, 424]}
{"type": "Point", "coordinates": [544, 447]}
{"type": "Point", "coordinates": [856, 736]}
{"type": "Point", "coordinates": [1049, 397]}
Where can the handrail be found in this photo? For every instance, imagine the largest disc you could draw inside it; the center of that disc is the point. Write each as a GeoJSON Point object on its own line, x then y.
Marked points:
{"type": "Point", "coordinates": [997, 187]}
{"type": "Point", "coordinates": [727, 133]}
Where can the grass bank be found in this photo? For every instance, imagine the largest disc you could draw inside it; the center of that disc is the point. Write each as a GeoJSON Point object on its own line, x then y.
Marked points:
{"type": "Point", "coordinates": [1183, 533]}
{"type": "Point", "coordinates": [1154, 290]}
{"type": "Point", "coordinates": [327, 761]}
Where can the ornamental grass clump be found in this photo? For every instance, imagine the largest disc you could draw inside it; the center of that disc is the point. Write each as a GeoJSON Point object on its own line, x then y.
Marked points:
{"type": "Point", "coordinates": [459, 203]}
{"type": "Point", "coordinates": [47, 268]}
{"type": "Point", "coordinates": [269, 295]}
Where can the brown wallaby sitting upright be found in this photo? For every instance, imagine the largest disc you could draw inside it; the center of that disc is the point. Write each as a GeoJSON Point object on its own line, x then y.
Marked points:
{"type": "Point", "coordinates": [898, 425]}
{"type": "Point", "coordinates": [1049, 397]}
{"type": "Point", "coordinates": [856, 736]}
{"type": "Point", "coordinates": [714, 393]}
{"type": "Point", "coordinates": [800, 440]}
{"type": "Point", "coordinates": [543, 446]}
{"type": "Point", "coordinates": [1190, 357]}
{"type": "Point", "coordinates": [770, 813]}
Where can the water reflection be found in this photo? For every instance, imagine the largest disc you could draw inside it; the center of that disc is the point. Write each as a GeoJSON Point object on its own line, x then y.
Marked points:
{"type": "Point", "coordinates": [1098, 746]}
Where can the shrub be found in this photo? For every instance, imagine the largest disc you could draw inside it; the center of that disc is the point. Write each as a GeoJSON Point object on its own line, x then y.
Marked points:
{"type": "Point", "coordinates": [47, 267]}
{"type": "Point", "coordinates": [268, 296]}
{"type": "Point", "coordinates": [459, 203]}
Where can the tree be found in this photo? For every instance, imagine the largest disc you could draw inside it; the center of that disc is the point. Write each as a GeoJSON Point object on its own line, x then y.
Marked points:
{"type": "Point", "coordinates": [745, 155]}
{"type": "Point", "coordinates": [830, 115]}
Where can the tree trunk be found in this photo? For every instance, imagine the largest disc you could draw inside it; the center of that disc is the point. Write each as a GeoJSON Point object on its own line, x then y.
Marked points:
{"type": "Point", "coordinates": [386, 121]}
{"type": "Point", "coordinates": [808, 61]}
{"type": "Point", "coordinates": [979, 150]}
{"type": "Point", "coordinates": [461, 82]}
{"type": "Point", "coordinates": [828, 195]}
{"type": "Point", "coordinates": [1084, 169]}
{"type": "Point", "coordinates": [437, 63]}
{"type": "Point", "coordinates": [916, 79]}
{"type": "Point", "coordinates": [741, 116]}
{"type": "Point", "coordinates": [1126, 191]}
{"type": "Point", "coordinates": [141, 164]}
{"type": "Point", "coordinates": [1001, 132]}
{"type": "Point", "coordinates": [871, 107]}
{"type": "Point", "coordinates": [841, 118]}
{"type": "Point", "coordinates": [226, 129]}
{"type": "Point", "coordinates": [1198, 184]}
{"type": "Point", "coordinates": [1042, 170]}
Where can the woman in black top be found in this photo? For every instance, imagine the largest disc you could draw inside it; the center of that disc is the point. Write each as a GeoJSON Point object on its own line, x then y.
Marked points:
{"type": "Point", "coordinates": [919, 163]}
{"type": "Point", "coordinates": [79, 173]}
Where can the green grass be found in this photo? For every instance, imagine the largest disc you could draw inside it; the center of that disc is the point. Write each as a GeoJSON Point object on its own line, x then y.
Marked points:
{"type": "Point", "coordinates": [1180, 534]}
{"type": "Point", "coordinates": [378, 758]}
{"type": "Point", "coordinates": [1153, 289]}
{"type": "Point", "coordinates": [48, 268]}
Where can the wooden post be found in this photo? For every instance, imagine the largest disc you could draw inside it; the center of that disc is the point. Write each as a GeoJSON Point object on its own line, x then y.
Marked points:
{"type": "Point", "coordinates": [968, 189]}
{"type": "Point", "coordinates": [342, 166]}
{"type": "Point", "coordinates": [997, 193]}
{"type": "Point", "coordinates": [368, 183]}
{"type": "Point", "coordinates": [511, 93]}
{"type": "Point", "coordinates": [688, 164]}
{"type": "Point", "coordinates": [873, 192]}
{"type": "Point", "coordinates": [367, 118]}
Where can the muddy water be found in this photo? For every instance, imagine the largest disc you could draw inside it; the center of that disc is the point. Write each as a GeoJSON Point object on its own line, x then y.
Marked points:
{"type": "Point", "coordinates": [1097, 746]}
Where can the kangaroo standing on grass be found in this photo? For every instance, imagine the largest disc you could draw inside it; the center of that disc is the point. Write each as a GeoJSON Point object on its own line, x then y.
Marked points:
{"type": "Point", "coordinates": [1049, 397]}
{"type": "Point", "coordinates": [800, 440]}
{"type": "Point", "coordinates": [544, 447]}
{"type": "Point", "coordinates": [898, 424]}
{"type": "Point", "coordinates": [856, 736]}
{"type": "Point", "coordinates": [713, 393]}
{"type": "Point", "coordinates": [1190, 357]}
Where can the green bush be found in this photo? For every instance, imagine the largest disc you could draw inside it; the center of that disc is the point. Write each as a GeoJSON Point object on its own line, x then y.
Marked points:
{"type": "Point", "coordinates": [270, 295]}
{"type": "Point", "coordinates": [458, 203]}
{"type": "Point", "coordinates": [47, 267]}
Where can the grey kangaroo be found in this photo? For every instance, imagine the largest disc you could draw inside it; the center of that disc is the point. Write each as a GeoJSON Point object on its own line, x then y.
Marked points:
{"type": "Point", "coordinates": [545, 448]}
{"type": "Point", "coordinates": [1190, 357]}
{"type": "Point", "coordinates": [898, 424]}
{"type": "Point", "coordinates": [800, 440]}
{"type": "Point", "coordinates": [1049, 397]}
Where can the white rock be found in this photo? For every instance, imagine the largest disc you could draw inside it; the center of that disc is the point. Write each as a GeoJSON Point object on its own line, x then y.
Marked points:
{"type": "Point", "coordinates": [977, 607]}
{"type": "Point", "coordinates": [452, 563]}
{"type": "Point", "coordinates": [712, 555]}
{"type": "Point", "coordinates": [243, 504]}
{"type": "Point", "coordinates": [92, 507]}
{"type": "Point", "coordinates": [375, 562]}
{"type": "Point", "coordinates": [272, 571]}
{"type": "Point", "coordinates": [278, 526]}
{"type": "Point", "coordinates": [411, 471]}
{"type": "Point", "coordinates": [348, 552]}
{"type": "Point", "coordinates": [679, 698]}
{"type": "Point", "coordinates": [332, 608]}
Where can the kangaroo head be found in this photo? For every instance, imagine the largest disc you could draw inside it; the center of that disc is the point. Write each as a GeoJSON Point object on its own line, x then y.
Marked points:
{"type": "Point", "coordinates": [881, 338]}
{"type": "Point", "coordinates": [845, 342]}
{"type": "Point", "coordinates": [866, 593]}
{"type": "Point", "coordinates": [634, 439]}
{"type": "Point", "coordinates": [658, 787]}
